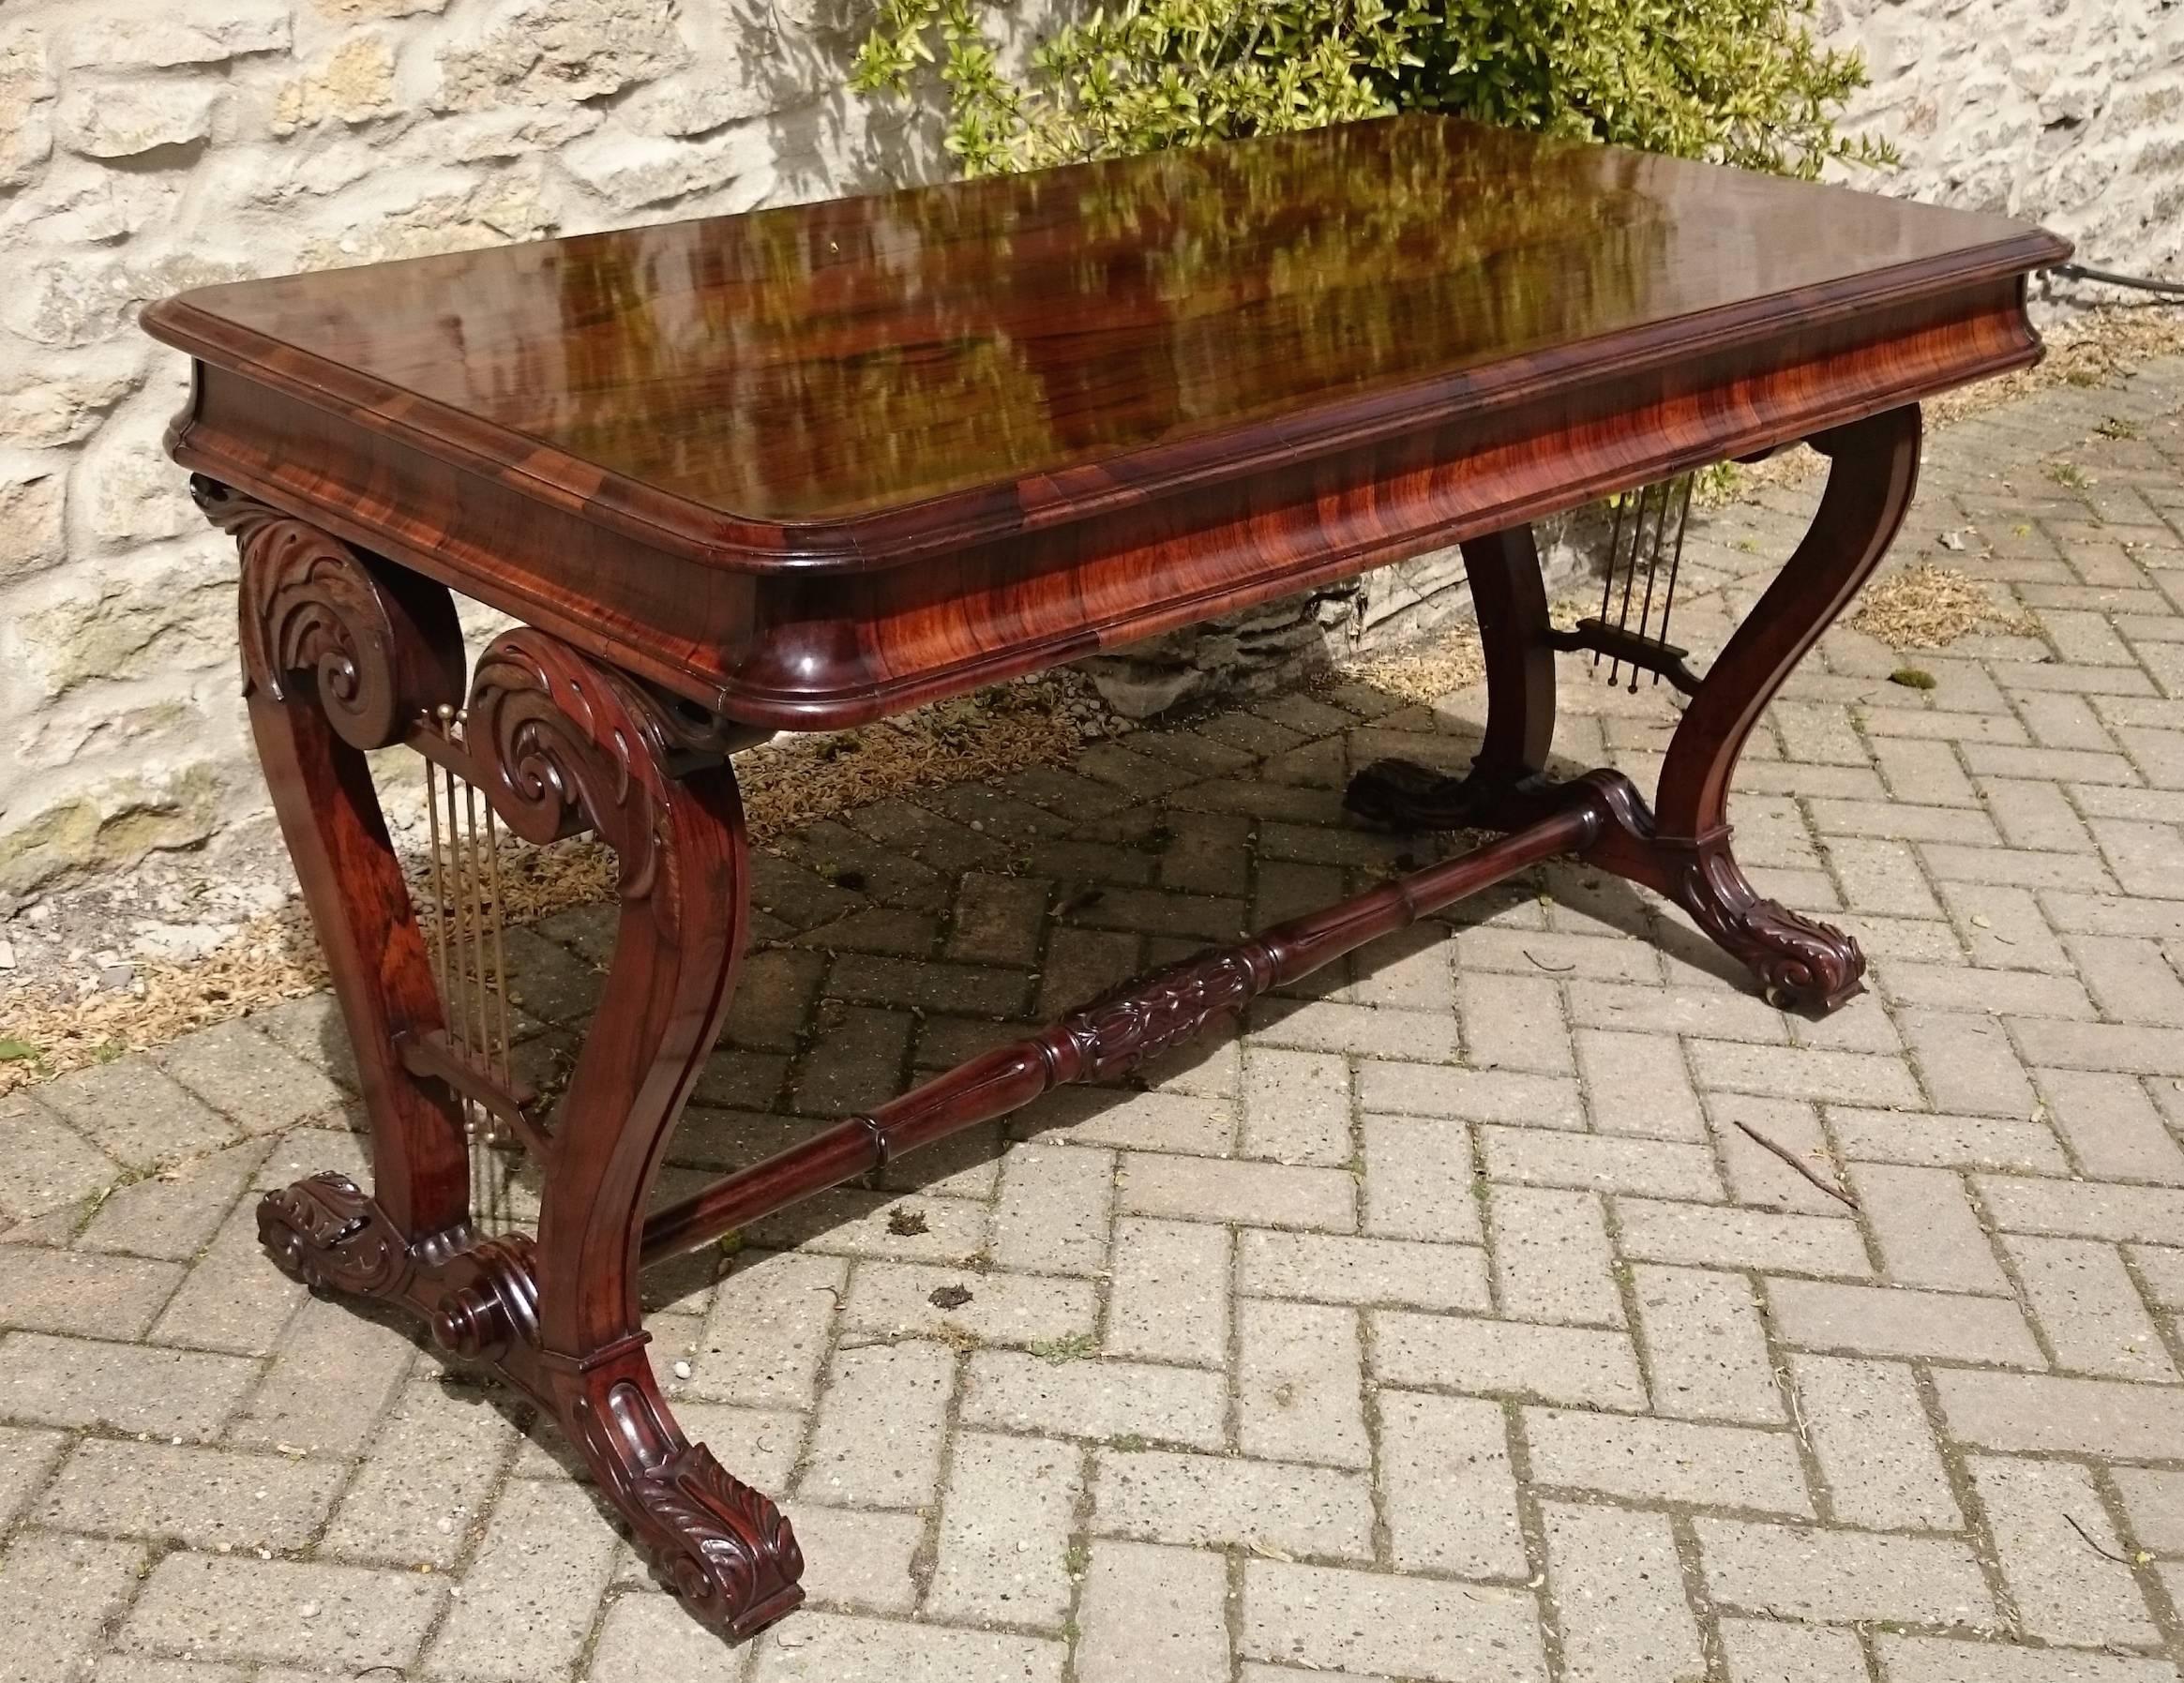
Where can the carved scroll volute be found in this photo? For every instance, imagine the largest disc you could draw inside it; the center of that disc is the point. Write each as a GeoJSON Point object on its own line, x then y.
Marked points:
{"type": "Point", "coordinates": [380, 645]}
{"type": "Point", "coordinates": [552, 733]}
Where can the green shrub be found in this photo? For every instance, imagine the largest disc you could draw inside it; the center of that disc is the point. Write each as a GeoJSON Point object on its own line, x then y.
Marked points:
{"type": "Point", "coordinates": [1740, 81]}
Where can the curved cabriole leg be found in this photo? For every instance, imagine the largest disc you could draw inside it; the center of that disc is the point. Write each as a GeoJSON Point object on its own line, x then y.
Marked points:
{"type": "Point", "coordinates": [1680, 847]}
{"type": "Point", "coordinates": [552, 733]}
{"type": "Point", "coordinates": [344, 652]}
{"type": "Point", "coordinates": [1873, 470]}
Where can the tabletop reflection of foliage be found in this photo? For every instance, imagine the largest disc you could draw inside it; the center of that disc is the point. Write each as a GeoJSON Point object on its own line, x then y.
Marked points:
{"type": "Point", "coordinates": [838, 358]}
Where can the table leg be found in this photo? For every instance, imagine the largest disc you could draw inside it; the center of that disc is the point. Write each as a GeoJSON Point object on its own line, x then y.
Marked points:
{"type": "Point", "coordinates": [1680, 847]}
{"type": "Point", "coordinates": [1501, 789]}
{"type": "Point", "coordinates": [344, 652]}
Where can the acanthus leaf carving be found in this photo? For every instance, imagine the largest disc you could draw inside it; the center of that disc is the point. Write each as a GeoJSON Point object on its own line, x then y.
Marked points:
{"type": "Point", "coordinates": [1801, 962]}
{"type": "Point", "coordinates": [1136, 1023]}
{"type": "Point", "coordinates": [723, 1547]}
{"type": "Point", "coordinates": [328, 1233]}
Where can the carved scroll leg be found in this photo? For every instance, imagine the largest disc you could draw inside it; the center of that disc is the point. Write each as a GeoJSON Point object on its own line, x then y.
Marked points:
{"type": "Point", "coordinates": [1799, 962]}
{"type": "Point", "coordinates": [1503, 788]}
{"type": "Point", "coordinates": [550, 730]}
{"type": "Point", "coordinates": [339, 651]}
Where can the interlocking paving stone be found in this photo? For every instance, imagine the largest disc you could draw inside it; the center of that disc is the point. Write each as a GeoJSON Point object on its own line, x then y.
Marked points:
{"type": "Point", "coordinates": [88, 1294]}
{"type": "Point", "coordinates": [1880, 1464]}
{"type": "Point", "coordinates": [2083, 1417]}
{"type": "Point", "coordinates": [1620, 1596]}
{"type": "Point", "coordinates": [1007, 1513]}
{"type": "Point", "coordinates": [1448, 1490]}
{"type": "Point", "coordinates": [1418, 1181]}
{"type": "Point", "coordinates": [284, 1611]}
{"type": "Point", "coordinates": [1798, 1572]}
{"type": "Point", "coordinates": [1301, 1350]}
{"type": "Point", "coordinates": [1340, 1269]}
{"type": "Point", "coordinates": [1574, 1365]}
{"type": "Point", "coordinates": [1102, 1400]}
{"type": "Point", "coordinates": [1873, 1320]}
{"type": "Point", "coordinates": [767, 1334]}
{"type": "Point", "coordinates": [44, 1164]}
{"type": "Point", "coordinates": [1053, 1212]}
{"type": "Point", "coordinates": [1659, 1461]}
{"type": "Point", "coordinates": [1325, 1618]}
{"type": "Point", "coordinates": [328, 1381]}
{"type": "Point", "coordinates": [1936, 1659]}
{"type": "Point", "coordinates": [260, 1085]}
{"type": "Point", "coordinates": [2154, 1502]}
{"type": "Point", "coordinates": [858, 1558]}
{"type": "Point", "coordinates": [202, 1497]}
{"type": "Point", "coordinates": [425, 1480]}
{"type": "Point", "coordinates": [1653, 1230]}
{"type": "Point", "coordinates": [1928, 1232]}
{"type": "Point", "coordinates": [1167, 1296]}
{"type": "Point", "coordinates": [1770, 1651]}
{"type": "Point", "coordinates": [124, 1387]}
{"type": "Point", "coordinates": [1657, 1168]}
{"type": "Point", "coordinates": [1156, 1496]}
{"type": "Point", "coordinates": [1152, 1615]}
{"type": "Point", "coordinates": [176, 1215]}
{"type": "Point", "coordinates": [2036, 1511]}
{"type": "Point", "coordinates": [1206, 1189]}
{"type": "Point", "coordinates": [2082, 1297]}
{"type": "Point", "coordinates": [1552, 1260]}
{"type": "Point", "coordinates": [1705, 1344]}
{"type": "Point", "coordinates": [881, 1426]}
{"type": "Point", "coordinates": [1300, 1374]}
{"type": "Point", "coordinates": [1002, 1308]}
{"type": "Point", "coordinates": [528, 1596]}
{"type": "Point", "coordinates": [827, 1648]}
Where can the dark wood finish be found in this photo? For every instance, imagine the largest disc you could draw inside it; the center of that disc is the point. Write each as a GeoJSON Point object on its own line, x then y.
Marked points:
{"type": "Point", "coordinates": [1132, 1024]}
{"type": "Point", "coordinates": [1680, 847]}
{"type": "Point", "coordinates": [812, 466]}
{"type": "Point", "coordinates": [341, 652]}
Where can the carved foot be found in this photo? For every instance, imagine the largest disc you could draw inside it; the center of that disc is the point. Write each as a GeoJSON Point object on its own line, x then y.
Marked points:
{"type": "Point", "coordinates": [328, 1233]}
{"type": "Point", "coordinates": [1802, 964]}
{"type": "Point", "coordinates": [716, 1543]}
{"type": "Point", "coordinates": [1404, 795]}
{"type": "Point", "coordinates": [708, 1538]}
{"type": "Point", "coordinates": [723, 1547]}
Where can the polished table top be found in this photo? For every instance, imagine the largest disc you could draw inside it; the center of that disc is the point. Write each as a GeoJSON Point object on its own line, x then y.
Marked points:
{"type": "Point", "coordinates": [826, 365]}
{"type": "Point", "coordinates": [809, 466]}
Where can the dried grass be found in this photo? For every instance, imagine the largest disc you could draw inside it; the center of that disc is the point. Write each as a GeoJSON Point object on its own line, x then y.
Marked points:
{"type": "Point", "coordinates": [1930, 608]}
{"type": "Point", "coordinates": [1423, 676]}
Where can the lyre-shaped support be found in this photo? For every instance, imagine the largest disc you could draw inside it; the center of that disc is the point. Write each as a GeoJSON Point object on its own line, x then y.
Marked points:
{"type": "Point", "coordinates": [344, 652]}
{"type": "Point", "coordinates": [1657, 553]}
{"type": "Point", "coordinates": [1680, 847]}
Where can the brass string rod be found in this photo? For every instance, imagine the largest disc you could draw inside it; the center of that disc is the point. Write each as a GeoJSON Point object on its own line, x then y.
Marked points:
{"type": "Point", "coordinates": [1676, 560]}
{"type": "Point", "coordinates": [507, 1038]}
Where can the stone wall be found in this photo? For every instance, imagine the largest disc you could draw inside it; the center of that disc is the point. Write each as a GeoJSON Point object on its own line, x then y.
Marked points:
{"type": "Point", "coordinates": [2067, 112]}
{"type": "Point", "coordinates": [146, 145]}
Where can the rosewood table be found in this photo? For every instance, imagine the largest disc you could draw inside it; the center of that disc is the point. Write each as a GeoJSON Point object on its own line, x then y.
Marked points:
{"type": "Point", "coordinates": [805, 468]}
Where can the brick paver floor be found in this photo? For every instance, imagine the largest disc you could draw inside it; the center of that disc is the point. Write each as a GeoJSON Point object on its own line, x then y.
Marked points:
{"type": "Point", "coordinates": [1453, 1322]}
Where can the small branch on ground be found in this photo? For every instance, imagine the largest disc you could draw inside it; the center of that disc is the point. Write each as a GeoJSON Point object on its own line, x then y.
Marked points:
{"type": "Point", "coordinates": [1799, 1164]}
